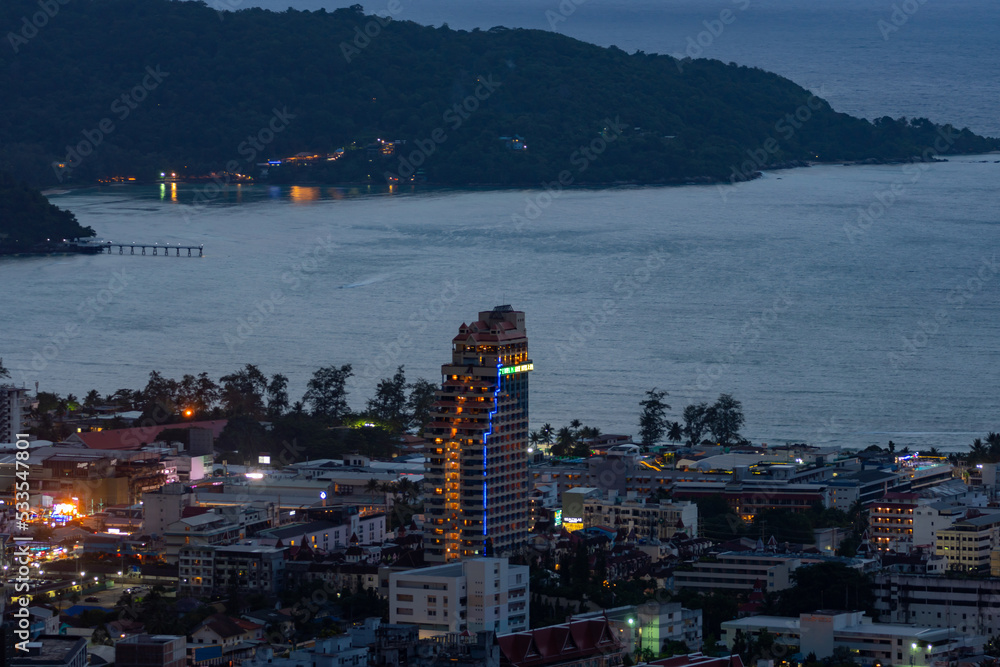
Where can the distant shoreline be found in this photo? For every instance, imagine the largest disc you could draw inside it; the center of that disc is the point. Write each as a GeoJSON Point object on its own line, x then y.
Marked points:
{"type": "Point", "coordinates": [698, 180]}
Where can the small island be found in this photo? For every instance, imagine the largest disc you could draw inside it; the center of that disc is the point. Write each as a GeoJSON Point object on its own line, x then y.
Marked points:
{"type": "Point", "coordinates": [30, 224]}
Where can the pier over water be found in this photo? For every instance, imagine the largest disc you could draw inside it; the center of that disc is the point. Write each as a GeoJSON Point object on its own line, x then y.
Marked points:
{"type": "Point", "coordinates": [109, 246]}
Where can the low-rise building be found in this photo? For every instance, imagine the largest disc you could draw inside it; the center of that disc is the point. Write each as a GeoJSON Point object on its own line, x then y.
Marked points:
{"type": "Point", "coordinates": [870, 643]}
{"type": "Point", "coordinates": [743, 570]}
{"type": "Point", "coordinates": [151, 651]}
{"type": "Point", "coordinates": [969, 605]}
{"type": "Point", "coordinates": [649, 520]}
{"type": "Point", "coordinates": [205, 529]}
{"type": "Point", "coordinates": [52, 651]}
{"type": "Point", "coordinates": [890, 522]}
{"type": "Point", "coordinates": [478, 594]}
{"type": "Point", "coordinates": [328, 535]}
{"type": "Point", "coordinates": [967, 543]}
{"type": "Point", "coordinates": [204, 570]}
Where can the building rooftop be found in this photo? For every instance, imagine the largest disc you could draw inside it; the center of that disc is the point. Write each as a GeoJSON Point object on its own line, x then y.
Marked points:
{"type": "Point", "coordinates": [51, 649]}
{"type": "Point", "coordinates": [449, 570]}
{"type": "Point", "coordinates": [298, 529]}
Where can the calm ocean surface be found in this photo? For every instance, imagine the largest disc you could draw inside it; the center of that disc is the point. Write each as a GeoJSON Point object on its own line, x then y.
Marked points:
{"type": "Point", "coordinates": [829, 330]}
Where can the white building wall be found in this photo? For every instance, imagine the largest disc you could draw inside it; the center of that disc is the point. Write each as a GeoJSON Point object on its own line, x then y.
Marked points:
{"type": "Point", "coordinates": [471, 595]}
{"type": "Point", "coordinates": [428, 599]}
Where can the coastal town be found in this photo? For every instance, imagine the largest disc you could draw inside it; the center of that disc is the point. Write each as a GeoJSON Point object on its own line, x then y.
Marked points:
{"type": "Point", "coordinates": [178, 526]}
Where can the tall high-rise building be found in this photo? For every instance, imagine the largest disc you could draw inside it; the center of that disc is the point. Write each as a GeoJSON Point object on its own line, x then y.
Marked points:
{"type": "Point", "coordinates": [476, 481]}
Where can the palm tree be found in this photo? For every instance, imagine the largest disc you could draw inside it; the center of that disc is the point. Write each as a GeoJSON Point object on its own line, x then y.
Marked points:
{"type": "Point", "coordinates": [372, 487]}
{"type": "Point", "coordinates": [675, 432]}
{"type": "Point", "coordinates": [547, 432]}
{"type": "Point", "coordinates": [565, 441]}
{"type": "Point", "coordinates": [978, 452]}
{"type": "Point", "coordinates": [993, 440]}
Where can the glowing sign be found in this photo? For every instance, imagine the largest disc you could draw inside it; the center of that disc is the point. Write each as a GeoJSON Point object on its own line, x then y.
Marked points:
{"type": "Point", "coordinates": [507, 370]}
{"type": "Point", "coordinates": [64, 509]}
{"type": "Point", "coordinates": [264, 460]}
{"type": "Point", "coordinates": [557, 518]}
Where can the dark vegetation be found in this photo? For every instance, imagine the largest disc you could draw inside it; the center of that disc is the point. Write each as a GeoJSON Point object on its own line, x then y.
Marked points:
{"type": "Point", "coordinates": [322, 424]}
{"type": "Point", "coordinates": [221, 81]}
{"type": "Point", "coordinates": [27, 219]}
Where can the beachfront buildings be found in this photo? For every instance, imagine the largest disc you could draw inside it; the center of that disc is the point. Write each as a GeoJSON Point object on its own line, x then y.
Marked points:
{"type": "Point", "coordinates": [476, 482]}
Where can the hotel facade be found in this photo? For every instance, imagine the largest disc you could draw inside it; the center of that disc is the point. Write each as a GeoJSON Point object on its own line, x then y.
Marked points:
{"type": "Point", "coordinates": [476, 480]}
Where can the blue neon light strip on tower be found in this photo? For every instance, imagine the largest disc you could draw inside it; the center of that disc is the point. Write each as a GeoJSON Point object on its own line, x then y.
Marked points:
{"type": "Point", "coordinates": [489, 432]}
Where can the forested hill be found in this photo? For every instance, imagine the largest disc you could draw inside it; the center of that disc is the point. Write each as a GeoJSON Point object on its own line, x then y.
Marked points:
{"type": "Point", "coordinates": [147, 86]}
{"type": "Point", "coordinates": [28, 220]}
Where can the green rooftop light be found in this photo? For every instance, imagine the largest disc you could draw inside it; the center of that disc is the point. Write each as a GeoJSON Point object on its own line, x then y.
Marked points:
{"type": "Point", "coordinates": [507, 370]}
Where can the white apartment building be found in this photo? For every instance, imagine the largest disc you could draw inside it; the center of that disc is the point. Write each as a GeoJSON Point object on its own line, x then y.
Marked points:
{"type": "Point", "coordinates": [473, 594]}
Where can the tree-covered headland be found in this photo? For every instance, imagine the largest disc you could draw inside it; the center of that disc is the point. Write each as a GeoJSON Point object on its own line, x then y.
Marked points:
{"type": "Point", "coordinates": [28, 221]}
{"type": "Point", "coordinates": [122, 88]}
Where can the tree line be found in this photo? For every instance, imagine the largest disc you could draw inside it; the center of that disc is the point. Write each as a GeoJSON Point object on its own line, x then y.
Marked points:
{"type": "Point", "coordinates": [722, 419]}
{"type": "Point", "coordinates": [320, 422]}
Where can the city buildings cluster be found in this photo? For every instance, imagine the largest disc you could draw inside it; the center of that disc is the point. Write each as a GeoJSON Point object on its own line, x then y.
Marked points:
{"type": "Point", "coordinates": [444, 552]}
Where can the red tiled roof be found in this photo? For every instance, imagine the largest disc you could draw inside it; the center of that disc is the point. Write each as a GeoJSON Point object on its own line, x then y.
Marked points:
{"type": "Point", "coordinates": [135, 438]}
{"type": "Point", "coordinates": [558, 643]}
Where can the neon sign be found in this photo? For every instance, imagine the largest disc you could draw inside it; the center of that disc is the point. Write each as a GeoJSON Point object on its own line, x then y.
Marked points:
{"type": "Point", "coordinates": [507, 370]}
